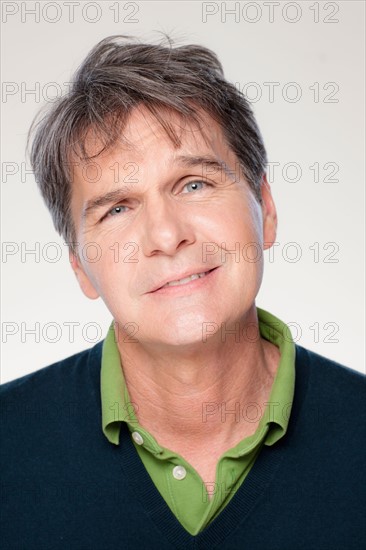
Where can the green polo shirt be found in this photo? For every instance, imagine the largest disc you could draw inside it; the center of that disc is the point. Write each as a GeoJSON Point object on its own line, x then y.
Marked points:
{"type": "Point", "coordinates": [177, 481]}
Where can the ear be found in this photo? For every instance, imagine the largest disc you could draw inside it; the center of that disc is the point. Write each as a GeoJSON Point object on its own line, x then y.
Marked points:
{"type": "Point", "coordinates": [83, 279]}
{"type": "Point", "coordinates": [269, 215]}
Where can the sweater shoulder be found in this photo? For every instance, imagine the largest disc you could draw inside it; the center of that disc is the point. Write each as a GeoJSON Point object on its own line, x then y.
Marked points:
{"type": "Point", "coordinates": [332, 383]}
{"type": "Point", "coordinates": [329, 368]}
{"type": "Point", "coordinates": [55, 377]}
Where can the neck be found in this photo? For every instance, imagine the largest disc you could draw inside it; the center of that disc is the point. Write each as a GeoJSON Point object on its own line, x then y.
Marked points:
{"type": "Point", "coordinates": [189, 398]}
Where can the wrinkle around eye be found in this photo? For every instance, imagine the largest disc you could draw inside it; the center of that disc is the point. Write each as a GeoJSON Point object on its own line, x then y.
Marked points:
{"type": "Point", "coordinates": [109, 214]}
{"type": "Point", "coordinates": [205, 183]}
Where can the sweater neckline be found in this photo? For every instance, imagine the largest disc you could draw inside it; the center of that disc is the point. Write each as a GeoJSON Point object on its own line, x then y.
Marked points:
{"type": "Point", "coordinates": [248, 495]}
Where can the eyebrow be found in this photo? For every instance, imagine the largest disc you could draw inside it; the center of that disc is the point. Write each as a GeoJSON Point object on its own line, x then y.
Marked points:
{"type": "Point", "coordinates": [188, 161]}
{"type": "Point", "coordinates": [104, 200]}
{"type": "Point", "coordinates": [193, 161]}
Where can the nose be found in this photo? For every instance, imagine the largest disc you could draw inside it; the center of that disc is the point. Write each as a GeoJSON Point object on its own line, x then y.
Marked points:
{"type": "Point", "coordinates": [165, 227]}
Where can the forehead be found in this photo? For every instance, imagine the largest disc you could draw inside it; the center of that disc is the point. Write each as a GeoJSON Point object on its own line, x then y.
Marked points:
{"type": "Point", "coordinates": [143, 131]}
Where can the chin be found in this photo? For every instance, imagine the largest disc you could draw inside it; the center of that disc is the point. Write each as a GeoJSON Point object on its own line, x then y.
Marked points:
{"type": "Point", "coordinates": [179, 338]}
{"type": "Point", "coordinates": [175, 337]}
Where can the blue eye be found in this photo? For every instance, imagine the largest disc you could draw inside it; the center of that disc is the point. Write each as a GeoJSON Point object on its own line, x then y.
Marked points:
{"type": "Point", "coordinates": [114, 211]}
{"type": "Point", "coordinates": [196, 183]}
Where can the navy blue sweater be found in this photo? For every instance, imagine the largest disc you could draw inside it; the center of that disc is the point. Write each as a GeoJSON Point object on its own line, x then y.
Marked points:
{"type": "Point", "coordinates": [64, 486]}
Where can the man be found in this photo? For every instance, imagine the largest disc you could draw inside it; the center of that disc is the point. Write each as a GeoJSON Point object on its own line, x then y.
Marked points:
{"type": "Point", "coordinates": [197, 422]}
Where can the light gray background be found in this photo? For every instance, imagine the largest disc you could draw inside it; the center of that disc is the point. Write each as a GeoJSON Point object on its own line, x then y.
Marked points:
{"type": "Point", "coordinates": [302, 293]}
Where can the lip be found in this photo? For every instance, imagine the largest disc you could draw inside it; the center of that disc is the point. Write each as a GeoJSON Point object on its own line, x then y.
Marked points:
{"type": "Point", "coordinates": [178, 289]}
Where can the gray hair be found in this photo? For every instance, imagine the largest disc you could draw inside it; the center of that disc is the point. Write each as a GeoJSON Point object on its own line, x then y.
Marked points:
{"type": "Point", "coordinates": [118, 74]}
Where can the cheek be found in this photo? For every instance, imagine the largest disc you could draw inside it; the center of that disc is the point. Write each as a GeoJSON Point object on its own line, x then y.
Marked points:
{"type": "Point", "coordinates": [251, 222]}
{"type": "Point", "coordinates": [242, 226]}
{"type": "Point", "coordinates": [252, 245]}
{"type": "Point", "coordinates": [245, 236]}
{"type": "Point", "coordinates": [121, 285]}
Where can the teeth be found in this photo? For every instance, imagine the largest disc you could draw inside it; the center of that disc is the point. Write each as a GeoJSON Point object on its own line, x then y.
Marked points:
{"type": "Point", "coordinates": [186, 279]}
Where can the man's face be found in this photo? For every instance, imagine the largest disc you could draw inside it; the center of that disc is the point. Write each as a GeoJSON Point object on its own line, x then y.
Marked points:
{"type": "Point", "coordinates": [169, 215]}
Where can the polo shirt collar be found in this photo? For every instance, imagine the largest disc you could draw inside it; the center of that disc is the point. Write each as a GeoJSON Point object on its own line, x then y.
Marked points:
{"type": "Point", "coordinates": [117, 406]}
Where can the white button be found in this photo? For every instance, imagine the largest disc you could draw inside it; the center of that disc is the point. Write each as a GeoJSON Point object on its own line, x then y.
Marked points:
{"type": "Point", "coordinates": [179, 472]}
{"type": "Point", "coordinates": [137, 438]}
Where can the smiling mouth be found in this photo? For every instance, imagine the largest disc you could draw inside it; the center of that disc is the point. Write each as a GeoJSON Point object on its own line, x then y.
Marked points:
{"type": "Point", "coordinates": [187, 279]}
